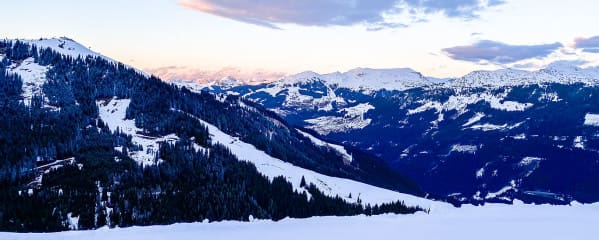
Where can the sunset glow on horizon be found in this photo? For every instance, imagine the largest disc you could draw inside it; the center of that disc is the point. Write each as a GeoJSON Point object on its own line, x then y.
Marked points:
{"type": "Point", "coordinates": [190, 38]}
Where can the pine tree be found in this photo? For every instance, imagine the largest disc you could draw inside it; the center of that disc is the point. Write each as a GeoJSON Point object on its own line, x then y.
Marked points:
{"type": "Point", "coordinates": [303, 182]}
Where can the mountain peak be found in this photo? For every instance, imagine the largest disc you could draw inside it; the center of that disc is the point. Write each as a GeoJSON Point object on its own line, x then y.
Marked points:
{"type": "Point", "coordinates": [65, 46]}
{"type": "Point", "coordinates": [69, 47]}
{"type": "Point", "coordinates": [364, 79]}
{"type": "Point", "coordinates": [564, 66]}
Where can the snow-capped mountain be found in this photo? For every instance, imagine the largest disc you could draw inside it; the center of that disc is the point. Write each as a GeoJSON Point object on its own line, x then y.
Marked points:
{"type": "Point", "coordinates": [223, 84]}
{"type": "Point", "coordinates": [486, 136]}
{"type": "Point", "coordinates": [90, 142]}
{"type": "Point", "coordinates": [64, 46]}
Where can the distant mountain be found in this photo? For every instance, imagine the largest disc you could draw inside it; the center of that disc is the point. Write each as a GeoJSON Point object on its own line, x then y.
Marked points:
{"type": "Point", "coordinates": [87, 142]}
{"type": "Point", "coordinates": [487, 136]}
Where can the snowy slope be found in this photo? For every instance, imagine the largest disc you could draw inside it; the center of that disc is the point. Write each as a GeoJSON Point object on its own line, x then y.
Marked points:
{"type": "Point", "coordinates": [490, 222]}
{"type": "Point", "coordinates": [64, 46]}
{"type": "Point", "coordinates": [113, 111]}
{"type": "Point", "coordinates": [69, 47]}
{"type": "Point", "coordinates": [332, 186]}
{"type": "Point", "coordinates": [591, 120]}
{"type": "Point", "coordinates": [33, 76]}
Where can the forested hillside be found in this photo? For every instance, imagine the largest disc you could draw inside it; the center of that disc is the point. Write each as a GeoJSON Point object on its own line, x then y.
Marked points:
{"type": "Point", "coordinates": [61, 167]}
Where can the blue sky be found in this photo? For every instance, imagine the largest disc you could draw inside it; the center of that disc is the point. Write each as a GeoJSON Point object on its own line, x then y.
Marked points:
{"type": "Point", "coordinates": [437, 38]}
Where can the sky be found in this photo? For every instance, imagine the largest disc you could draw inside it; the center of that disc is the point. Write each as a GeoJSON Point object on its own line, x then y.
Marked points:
{"type": "Point", "coordinates": [266, 39]}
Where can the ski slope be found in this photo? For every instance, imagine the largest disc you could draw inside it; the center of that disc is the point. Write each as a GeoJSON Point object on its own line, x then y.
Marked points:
{"type": "Point", "coordinates": [489, 222]}
{"type": "Point", "coordinates": [332, 186]}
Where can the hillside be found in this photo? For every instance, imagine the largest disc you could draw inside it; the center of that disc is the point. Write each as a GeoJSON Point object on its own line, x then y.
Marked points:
{"type": "Point", "coordinates": [107, 145]}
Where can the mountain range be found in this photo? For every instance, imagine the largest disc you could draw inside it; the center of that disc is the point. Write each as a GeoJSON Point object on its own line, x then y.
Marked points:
{"type": "Point", "coordinates": [87, 142]}
{"type": "Point", "coordinates": [489, 136]}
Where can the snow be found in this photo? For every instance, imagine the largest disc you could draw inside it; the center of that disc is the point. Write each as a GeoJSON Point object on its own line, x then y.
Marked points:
{"type": "Point", "coordinates": [353, 118]}
{"type": "Point", "coordinates": [550, 97]}
{"type": "Point", "coordinates": [530, 161]}
{"type": "Point", "coordinates": [190, 85]}
{"type": "Point", "coordinates": [294, 97]}
{"type": "Point", "coordinates": [358, 110]}
{"type": "Point", "coordinates": [338, 148]}
{"type": "Point", "coordinates": [328, 124]}
{"type": "Point", "coordinates": [72, 221]}
{"type": "Point", "coordinates": [480, 173]}
{"type": "Point", "coordinates": [331, 186]}
{"type": "Point", "coordinates": [477, 117]}
{"type": "Point", "coordinates": [489, 127]}
{"type": "Point", "coordinates": [510, 106]}
{"type": "Point", "coordinates": [368, 80]}
{"type": "Point", "coordinates": [493, 127]}
{"type": "Point", "coordinates": [33, 76]}
{"type": "Point", "coordinates": [489, 222]}
{"type": "Point", "coordinates": [579, 142]}
{"type": "Point", "coordinates": [460, 103]}
{"type": "Point", "coordinates": [364, 79]}
{"type": "Point", "coordinates": [69, 47]}
{"type": "Point", "coordinates": [113, 113]}
{"type": "Point", "coordinates": [464, 148]}
{"type": "Point", "coordinates": [555, 73]}
{"type": "Point", "coordinates": [501, 191]}
{"type": "Point", "coordinates": [425, 107]}
{"type": "Point", "coordinates": [64, 46]}
{"type": "Point", "coordinates": [591, 120]}
{"type": "Point", "coordinates": [521, 136]}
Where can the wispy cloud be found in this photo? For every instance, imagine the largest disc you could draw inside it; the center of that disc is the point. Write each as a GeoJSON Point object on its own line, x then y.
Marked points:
{"type": "Point", "coordinates": [590, 45]}
{"type": "Point", "coordinates": [372, 13]}
{"type": "Point", "coordinates": [453, 8]}
{"type": "Point", "coordinates": [486, 51]}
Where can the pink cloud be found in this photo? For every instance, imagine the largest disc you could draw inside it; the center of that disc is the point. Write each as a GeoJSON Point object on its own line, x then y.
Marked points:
{"type": "Point", "coordinates": [371, 13]}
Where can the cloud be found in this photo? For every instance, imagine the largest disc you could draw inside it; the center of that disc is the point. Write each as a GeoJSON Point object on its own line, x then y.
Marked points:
{"type": "Point", "coordinates": [171, 73]}
{"type": "Point", "coordinates": [372, 13]}
{"type": "Point", "coordinates": [486, 51]}
{"type": "Point", "coordinates": [590, 45]}
{"type": "Point", "coordinates": [454, 8]}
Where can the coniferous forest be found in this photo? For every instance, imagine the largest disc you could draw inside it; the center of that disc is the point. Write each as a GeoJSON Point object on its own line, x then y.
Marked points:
{"type": "Point", "coordinates": [58, 159]}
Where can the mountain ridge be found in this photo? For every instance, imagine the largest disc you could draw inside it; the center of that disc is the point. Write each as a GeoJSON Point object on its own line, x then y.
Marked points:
{"type": "Point", "coordinates": [87, 142]}
{"type": "Point", "coordinates": [484, 116]}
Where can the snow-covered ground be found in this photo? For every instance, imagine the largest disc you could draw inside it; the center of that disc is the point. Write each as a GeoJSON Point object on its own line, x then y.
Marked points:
{"type": "Point", "coordinates": [493, 221]}
{"type": "Point", "coordinates": [353, 118]}
{"type": "Point", "coordinates": [591, 120]}
{"type": "Point", "coordinates": [33, 76]}
{"type": "Point", "coordinates": [64, 46]}
{"type": "Point", "coordinates": [113, 113]}
{"type": "Point", "coordinates": [69, 47]}
{"type": "Point", "coordinates": [492, 127]}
